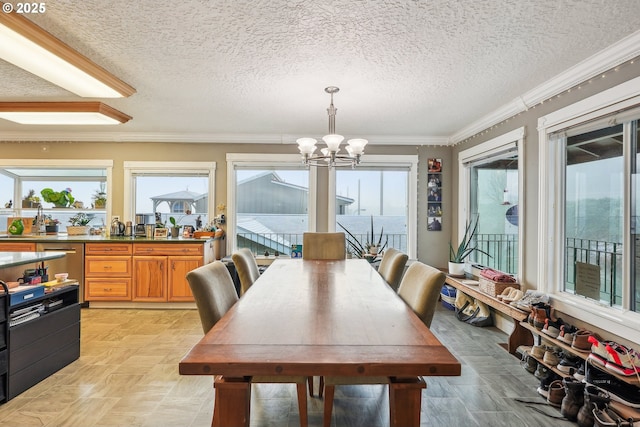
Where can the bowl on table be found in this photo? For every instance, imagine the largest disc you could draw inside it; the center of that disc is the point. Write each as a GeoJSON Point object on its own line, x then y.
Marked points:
{"type": "Point", "coordinates": [61, 277]}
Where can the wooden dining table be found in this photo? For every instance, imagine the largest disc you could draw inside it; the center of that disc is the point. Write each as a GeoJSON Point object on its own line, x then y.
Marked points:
{"type": "Point", "coordinates": [314, 318]}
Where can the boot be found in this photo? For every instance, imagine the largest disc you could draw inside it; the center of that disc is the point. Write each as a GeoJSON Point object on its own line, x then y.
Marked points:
{"type": "Point", "coordinates": [573, 399]}
{"type": "Point", "coordinates": [593, 398]}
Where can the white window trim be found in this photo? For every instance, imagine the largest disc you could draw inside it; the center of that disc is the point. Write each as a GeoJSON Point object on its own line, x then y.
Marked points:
{"type": "Point", "coordinates": [374, 160]}
{"type": "Point", "coordinates": [266, 161]}
{"type": "Point", "coordinates": [504, 142]}
{"type": "Point", "coordinates": [66, 164]}
{"type": "Point", "coordinates": [136, 167]}
{"type": "Point", "coordinates": [621, 322]}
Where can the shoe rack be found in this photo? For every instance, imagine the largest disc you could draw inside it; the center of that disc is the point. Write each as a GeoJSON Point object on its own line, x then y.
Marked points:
{"type": "Point", "coordinates": [565, 347]}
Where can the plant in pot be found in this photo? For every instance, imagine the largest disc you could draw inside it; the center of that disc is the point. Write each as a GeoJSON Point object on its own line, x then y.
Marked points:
{"type": "Point", "coordinates": [79, 224]}
{"type": "Point", "coordinates": [464, 249]}
{"type": "Point", "coordinates": [51, 224]}
{"type": "Point", "coordinates": [175, 227]}
{"type": "Point", "coordinates": [60, 199]}
{"type": "Point", "coordinates": [100, 197]}
{"type": "Point", "coordinates": [31, 200]}
{"type": "Point", "coordinates": [370, 249]}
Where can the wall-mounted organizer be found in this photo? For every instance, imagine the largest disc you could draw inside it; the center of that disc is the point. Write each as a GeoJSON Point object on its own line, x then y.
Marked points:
{"type": "Point", "coordinates": [434, 196]}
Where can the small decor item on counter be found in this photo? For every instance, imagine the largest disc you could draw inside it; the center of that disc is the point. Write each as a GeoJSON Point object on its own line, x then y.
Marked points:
{"type": "Point", "coordinates": [60, 199]}
{"type": "Point", "coordinates": [79, 224]}
{"type": "Point", "coordinates": [16, 227]}
{"type": "Point", "coordinates": [175, 227]}
{"type": "Point", "coordinates": [9, 204]}
{"type": "Point", "coordinates": [31, 200]}
{"type": "Point", "coordinates": [61, 277]}
{"type": "Point", "coordinates": [51, 225]}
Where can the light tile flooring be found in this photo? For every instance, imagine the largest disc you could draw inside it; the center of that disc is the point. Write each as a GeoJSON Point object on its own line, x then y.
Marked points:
{"type": "Point", "coordinates": [127, 375]}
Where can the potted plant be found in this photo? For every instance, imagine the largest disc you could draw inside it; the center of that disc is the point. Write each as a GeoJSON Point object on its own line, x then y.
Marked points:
{"type": "Point", "coordinates": [79, 224]}
{"type": "Point", "coordinates": [51, 224]}
{"type": "Point", "coordinates": [464, 249]}
{"type": "Point", "coordinates": [100, 197]}
{"type": "Point", "coordinates": [370, 248]}
{"type": "Point", "coordinates": [175, 227]}
{"type": "Point", "coordinates": [31, 200]}
{"type": "Point", "coordinates": [60, 199]}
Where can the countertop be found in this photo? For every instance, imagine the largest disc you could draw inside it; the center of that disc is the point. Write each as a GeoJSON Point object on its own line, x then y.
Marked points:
{"type": "Point", "coordinates": [13, 259]}
{"type": "Point", "coordinates": [92, 239]}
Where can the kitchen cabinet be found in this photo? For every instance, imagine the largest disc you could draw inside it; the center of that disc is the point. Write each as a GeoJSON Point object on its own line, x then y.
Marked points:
{"type": "Point", "coordinates": [108, 271]}
{"type": "Point", "coordinates": [17, 247]}
{"type": "Point", "coordinates": [159, 270]}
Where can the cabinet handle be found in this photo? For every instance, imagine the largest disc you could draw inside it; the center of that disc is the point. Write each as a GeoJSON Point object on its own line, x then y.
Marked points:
{"type": "Point", "coordinates": [108, 267]}
{"type": "Point", "coordinates": [107, 289]}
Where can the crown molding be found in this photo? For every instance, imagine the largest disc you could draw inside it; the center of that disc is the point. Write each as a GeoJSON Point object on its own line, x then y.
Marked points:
{"type": "Point", "coordinates": [608, 58]}
{"type": "Point", "coordinates": [204, 138]}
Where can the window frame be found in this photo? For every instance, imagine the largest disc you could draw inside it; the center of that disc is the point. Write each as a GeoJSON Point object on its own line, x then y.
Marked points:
{"type": "Point", "coordinates": [494, 147]}
{"type": "Point", "coordinates": [389, 161]}
{"type": "Point", "coordinates": [140, 167]}
{"type": "Point", "coordinates": [270, 161]}
{"type": "Point", "coordinates": [621, 322]}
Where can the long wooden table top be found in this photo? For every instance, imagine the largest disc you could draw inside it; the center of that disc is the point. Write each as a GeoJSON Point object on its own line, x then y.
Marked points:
{"type": "Point", "coordinates": [306, 317]}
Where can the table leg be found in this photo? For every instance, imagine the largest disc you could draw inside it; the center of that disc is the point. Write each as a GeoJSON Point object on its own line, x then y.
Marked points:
{"type": "Point", "coordinates": [232, 402]}
{"type": "Point", "coordinates": [519, 336]}
{"type": "Point", "coordinates": [405, 396]}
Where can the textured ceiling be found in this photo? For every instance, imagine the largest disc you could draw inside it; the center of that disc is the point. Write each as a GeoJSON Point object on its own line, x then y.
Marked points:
{"type": "Point", "coordinates": [406, 69]}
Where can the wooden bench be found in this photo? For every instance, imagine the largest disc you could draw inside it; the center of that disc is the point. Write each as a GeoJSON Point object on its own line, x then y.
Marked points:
{"type": "Point", "coordinates": [520, 335]}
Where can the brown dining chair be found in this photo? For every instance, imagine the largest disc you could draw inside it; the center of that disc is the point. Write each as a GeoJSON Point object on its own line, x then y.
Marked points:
{"type": "Point", "coordinates": [392, 267]}
{"type": "Point", "coordinates": [247, 268]}
{"type": "Point", "coordinates": [215, 294]}
{"type": "Point", "coordinates": [419, 289]}
{"type": "Point", "coordinates": [323, 246]}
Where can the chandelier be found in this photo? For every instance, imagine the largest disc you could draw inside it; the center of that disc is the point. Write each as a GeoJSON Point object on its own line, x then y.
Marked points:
{"type": "Point", "coordinates": [331, 155]}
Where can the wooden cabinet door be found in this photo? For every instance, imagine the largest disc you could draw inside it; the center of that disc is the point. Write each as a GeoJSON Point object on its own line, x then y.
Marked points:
{"type": "Point", "coordinates": [150, 278]}
{"type": "Point", "coordinates": [17, 247]}
{"type": "Point", "coordinates": [178, 268]}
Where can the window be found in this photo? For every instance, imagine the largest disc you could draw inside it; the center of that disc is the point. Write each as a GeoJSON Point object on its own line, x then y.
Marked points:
{"type": "Point", "coordinates": [382, 189]}
{"type": "Point", "coordinates": [271, 202]}
{"type": "Point", "coordinates": [588, 206]}
{"type": "Point", "coordinates": [490, 179]}
{"type": "Point", "coordinates": [159, 190]}
{"type": "Point", "coordinates": [21, 183]}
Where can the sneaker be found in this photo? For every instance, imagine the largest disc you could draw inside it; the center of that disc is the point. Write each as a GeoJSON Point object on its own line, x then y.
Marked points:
{"type": "Point", "coordinates": [618, 390]}
{"type": "Point", "coordinates": [551, 358]}
{"type": "Point", "coordinates": [599, 354]}
{"type": "Point", "coordinates": [581, 341]}
{"type": "Point", "coordinates": [529, 363]}
{"type": "Point", "coordinates": [515, 296]}
{"type": "Point", "coordinates": [552, 328]}
{"type": "Point", "coordinates": [567, 332]}
{"type": "Point", "coordinates": [541, 371]}
{"type": "Point", "coordinates": [569, 363]}
{"type": "Point", "coordinates": [538, 351]}
{"type": "Point", "coordinates": [543, 388]}
{"type": "Point", "coordinates": [530, 297]}
{"type": "Point", "coordinates": [622, 360]}
{"type": "Point", "coordinates": [556, 393]}
{"type": "Point", "coordinates": [579, 374]}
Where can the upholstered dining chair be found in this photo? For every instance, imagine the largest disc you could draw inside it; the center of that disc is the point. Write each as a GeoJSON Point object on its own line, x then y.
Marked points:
{"type": "Point", "coordinates": [214, 293]}
{"type": "Point", "coordinates": [327, 246]}
{"type": "Point", "coordinates": [419, 289]}
{"type": "Point", "coordinates": [392, 266]}
{"type": "Point", "coordinates": [247, 268]}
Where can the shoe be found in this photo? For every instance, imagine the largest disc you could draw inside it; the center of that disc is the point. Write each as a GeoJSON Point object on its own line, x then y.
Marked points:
{"type": "Point", "coordinates": [529, 363]}
{"type": "Point", "coordinates": [567, 332]}
{"type": "Point", "coordinates": [573, 399]}
{"type": "Point", "coordinates": [556, 393]}
{"type": "Point", "coordinates": [530, 297]}
{"type": "Point", "coordinates": [581, 341]}
{"type": "Point", "coordinates": [552, 328]}
{"type": "Point", "coordinates": [551, 358]}
{"type": "Point", "coordinates": [618, 390]}
{"type": "Point", "coordinates": [542, 312]}
{"type": "Point", "coordinates": [599, 354]}
{"type": "Point", "coordinates": [622, 360]}
{"type": "Point", "coordinates": [515, 296]}
{"type": "Point", "coordinates": [579, 374]}
{"type": "Point", "coordinates": [506, 292]}
{"type": "Point", "coordinates": [569, 364]}
{"type": "Point", "coordinates": [593, 399]}
{"type": "Point", "coordinates": [543, 388]}
{"type": "Point", "coordinates": [538, 351]}
{"type": "Point", "coordinates": [607, 417]}
{"type": "Point", "coordinates": [541, 371]}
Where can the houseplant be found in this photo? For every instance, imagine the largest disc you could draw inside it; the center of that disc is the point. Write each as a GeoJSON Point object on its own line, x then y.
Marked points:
{"type": "Point", "coordinates": [100, 197]}
{"type": "Point", "coordinates": [31, 200]}
{"type": "Point", "coordinates": [175, 227]}
{"type": "Point", "coordinates": [464, 249]}
{"type": "Point", "coordinates": [79, 224]}
{"type": "Point", "coordinates": [51, 224]}
{"type": "Point", "coordinates": [60, 199]}
{"type": "Point", "coordinates": [370, 248]}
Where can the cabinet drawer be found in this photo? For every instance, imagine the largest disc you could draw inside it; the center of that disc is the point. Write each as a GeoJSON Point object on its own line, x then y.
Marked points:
{"type": "Point", "coordinates": [107, 249]}
{"type": "Point", "coordinates": [113, 266]}
{"type": "Point", "coordinates": [17, 247]}
{"type": "Point", "coordinates": [108, 289]}
{"type": "Point", "coordinates": [168, 249]}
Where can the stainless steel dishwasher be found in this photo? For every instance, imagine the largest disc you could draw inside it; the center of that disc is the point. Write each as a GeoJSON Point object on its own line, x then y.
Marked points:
{"type": "Point", "coordinates": [72, 262]}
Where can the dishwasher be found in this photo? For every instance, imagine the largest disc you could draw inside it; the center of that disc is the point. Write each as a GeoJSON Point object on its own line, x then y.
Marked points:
{"type": "Point", "coordinates": [72, 262]}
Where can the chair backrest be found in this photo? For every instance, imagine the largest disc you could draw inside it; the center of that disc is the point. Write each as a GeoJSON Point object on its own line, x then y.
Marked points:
{"type": "Point", "coordinates": [323, 246]}
{"type": "Point", "coordinates": [420, 289]}
{"type": "Point", "coordinates": [392, 266]}
{"type": "Point", "coordinates": [247, 268]}
{"type": "Point", "coordinates": [213, 290]}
